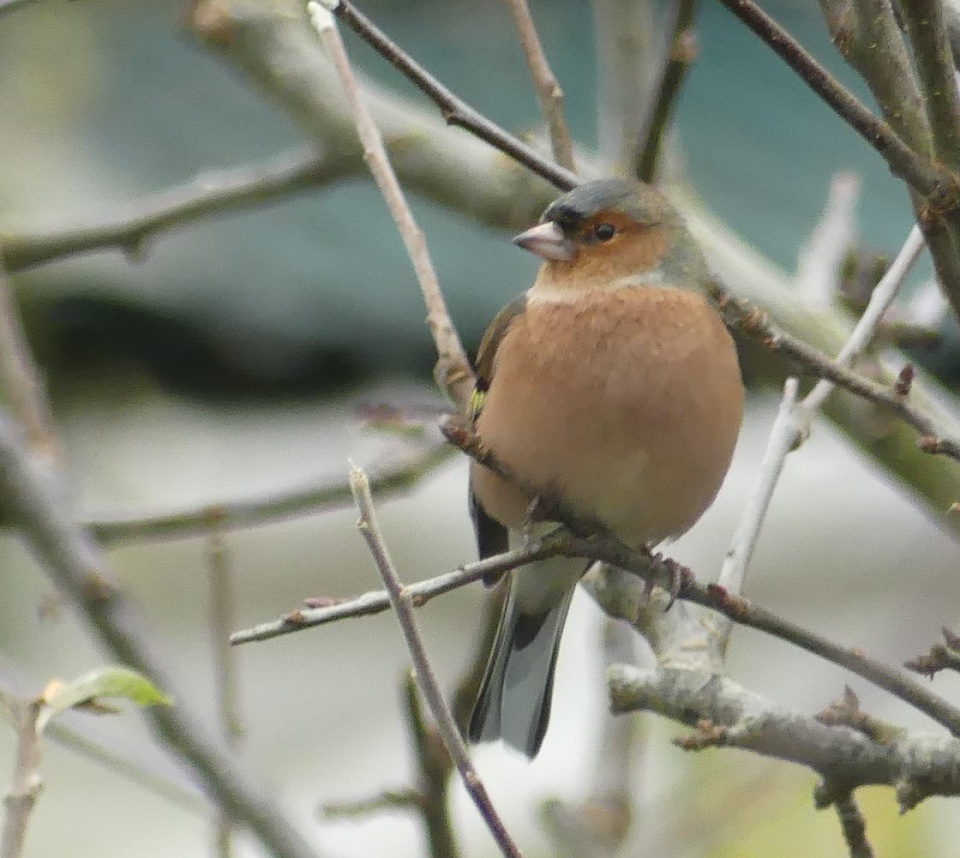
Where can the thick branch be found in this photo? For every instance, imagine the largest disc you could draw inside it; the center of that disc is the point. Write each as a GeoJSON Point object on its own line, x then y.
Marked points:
{"type": "Point", "coordinates": [728, 715]}
{"type": "Point", "coordinates": [935, 68]}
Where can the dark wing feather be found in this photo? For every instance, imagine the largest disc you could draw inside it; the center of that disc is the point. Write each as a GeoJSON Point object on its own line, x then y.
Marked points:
{"type": "Point", "coordinates": [492, 337]}
{"type": "Point", "coordinates": [492, 537]}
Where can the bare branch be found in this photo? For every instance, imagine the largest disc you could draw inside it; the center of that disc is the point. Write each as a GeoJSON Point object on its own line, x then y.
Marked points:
{"type": "Point", "coordinates": [727, 715]}
{"type": "Point", "coordinates": [27, 781]}
{"type": "Point", "coordinates": [453, 372]}
{"type": "Point", "coordinates": [20, 379]}
{"type": "Point", "coordinates": [927, 178]}
{"type": "Point", "coordinates": [209, 194]}
{"type": "Point", "coordinates": [681, 52]}
{"type": "Point", "coordinates": [225, 668]}
{"type": "Point", "coordinates": [628, 606]}
{"type": "Point", "coordinates": [927, 29]}
{"type": "Point", "coordinates": [549, 93]}
{"type": "Point", "coordinates": [754, 322]}
{"type": "Point", "coordinates": [783, 438]}
{"type": "Point", "coordinates": [884, 294]}
{"type": "Point", "coordinates": [74, 562]}
{"type": "Point", "coordinates": [374, 602]}
{"type": "Point", "coordinates": [397, 476]}
{"type": "Point", "coordinates": [402, 603]}
{"type": "Point", "coordinates": [875, 47]}
{"type": "Point", "coordinates": [455, 111]}
{"type": "Point", "coordinates": [853, 826]}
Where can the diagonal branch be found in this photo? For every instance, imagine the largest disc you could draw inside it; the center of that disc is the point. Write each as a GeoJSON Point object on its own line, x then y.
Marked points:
{"type": "Point", "coordinates": [549, 93]}
{"type": "Point", "coordinates": [680, 53]}
{"type": "Point", "coordinates": [452, 372]}
{"type": "Point", "coordinates": [455, 111]}
{"type": "Point", "coordinates": [754, 322]}
{"type": "Point", "coordinates": [935, 68]}
{"type": "Point", "coordinates": [33, 497]}
{"type": "Point", "coordinates": [922, 175]}
{"type": "Point", "coordinates": [423, 671]}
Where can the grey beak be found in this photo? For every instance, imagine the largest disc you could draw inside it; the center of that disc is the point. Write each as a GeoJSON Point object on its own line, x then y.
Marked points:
{"type": "Point", "coordinates": [547, 240]}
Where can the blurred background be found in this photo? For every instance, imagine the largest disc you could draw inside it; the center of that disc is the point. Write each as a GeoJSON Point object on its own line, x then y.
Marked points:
{"type": "Point", "coordinates": [234, 358]}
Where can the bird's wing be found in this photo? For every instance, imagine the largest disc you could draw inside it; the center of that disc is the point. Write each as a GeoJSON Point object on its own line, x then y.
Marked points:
{"type": "Point", "coordinates": [492, 537]}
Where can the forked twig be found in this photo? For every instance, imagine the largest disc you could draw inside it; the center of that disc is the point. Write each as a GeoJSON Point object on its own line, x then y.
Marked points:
{"type": "Point", "coordinates": [427, 682]}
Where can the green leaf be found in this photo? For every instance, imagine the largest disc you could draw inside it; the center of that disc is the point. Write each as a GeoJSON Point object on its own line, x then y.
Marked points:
{"type": "Point", "coordinates": [87, 691]}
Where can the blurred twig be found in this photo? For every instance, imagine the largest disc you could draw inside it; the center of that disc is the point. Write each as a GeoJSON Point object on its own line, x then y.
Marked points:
{"type": "Point", "coordinates": [27, 782]}
{"type": "Point", "coordinates": [20, 381]}
{"type": "Point", "coordinates": [221, 621]}
{"type": "Point", "coordinates": [207, 195]}
{"type": "Point", "coordinates": [426, 680]}
{"type": "Point", "coordinates": [396, 477]}
{"type": "Point", "coordinates": [853, 826]}
{"type": "Point", "coordinates": [549, 93]}
{"type": "Point", "coordinates": [625, 33]}
{"type": "Point", "coordinates": [72, 559]}
{"type": "Point", "coordinates": [680, 53]}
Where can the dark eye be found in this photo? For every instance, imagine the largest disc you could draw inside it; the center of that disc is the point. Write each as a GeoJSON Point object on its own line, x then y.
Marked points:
{"type": "Point", "coordinates": [604, 231]}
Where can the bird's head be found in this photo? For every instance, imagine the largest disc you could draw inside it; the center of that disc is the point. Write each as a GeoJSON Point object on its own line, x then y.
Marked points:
{"type": "Point", "coordinates": [612, 233]}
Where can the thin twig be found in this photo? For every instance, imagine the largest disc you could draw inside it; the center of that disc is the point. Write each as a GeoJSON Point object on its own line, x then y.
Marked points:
{"type": "Point", "coordinates": [853, 827]}
{"type": "Point", "coordinates": [549, 93]}
{"type": "Point", "coordinates": [624, 35]}
{"type": "Point", "coordinates": [455, 111]}
{"type": "Point", "coordinates": [660, 572]}
{"type": "Point", "coordinates": [883, 295]}
{"type": "Point", "coordinates": [27, 781]}
{"type": "Point", "coordinates": [927, 29]}
{"type": "Point", "coordinates": [783, 437]}
{"type": "Point", "coordinates": [820, 258]}
{"type": "Point", "coordinates": [921, 174]}
{"type": "Point", "coordinates": [427, 682]}
{"type": "Point", "coordinates": [221, 620]}
{"type": "Point", "coordinates": [452, 372]}
{"type": "Point", "coordinates": [435, 767]}
{"type": "Point", "coordinates": [401, 473]}
{"type": "Point", "coordinates": [20, 378]}
{"type": "Point", "coordinates": [754, 322]}
{"type": "Point", "coordinates": [680, 53]}
{"type": "Point", "coordinates": [209, 194]}
{"type": "Point", "coordinates": [377, 601]}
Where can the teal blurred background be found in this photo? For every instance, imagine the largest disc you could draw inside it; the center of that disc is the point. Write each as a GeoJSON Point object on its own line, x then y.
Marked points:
{"type": "Point", "coordinates": [230, 360]}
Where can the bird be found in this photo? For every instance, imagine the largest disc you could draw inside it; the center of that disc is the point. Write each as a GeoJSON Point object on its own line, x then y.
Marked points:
{"type": "Point", "coordinates": [612, 389]}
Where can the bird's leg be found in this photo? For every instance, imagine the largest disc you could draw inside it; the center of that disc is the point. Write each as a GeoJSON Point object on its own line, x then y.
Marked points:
{"type": "Point", "coordinates": [538, 510]}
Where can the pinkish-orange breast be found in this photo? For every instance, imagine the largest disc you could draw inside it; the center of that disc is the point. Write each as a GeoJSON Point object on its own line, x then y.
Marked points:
{"type": "Point", "coordinates": [625, 404]}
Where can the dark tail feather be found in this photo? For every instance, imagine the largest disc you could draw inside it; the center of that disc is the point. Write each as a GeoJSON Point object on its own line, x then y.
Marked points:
{"type": "Point", "coordinates": [514, 699]}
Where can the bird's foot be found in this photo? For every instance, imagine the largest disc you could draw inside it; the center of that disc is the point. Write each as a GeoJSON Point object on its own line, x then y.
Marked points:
{"type": "Point", "coordinates": [677, 573]}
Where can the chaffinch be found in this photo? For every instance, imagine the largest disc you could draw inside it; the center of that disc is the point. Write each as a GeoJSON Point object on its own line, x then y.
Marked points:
{"type": "Point", "coordinates": [611, 385]}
